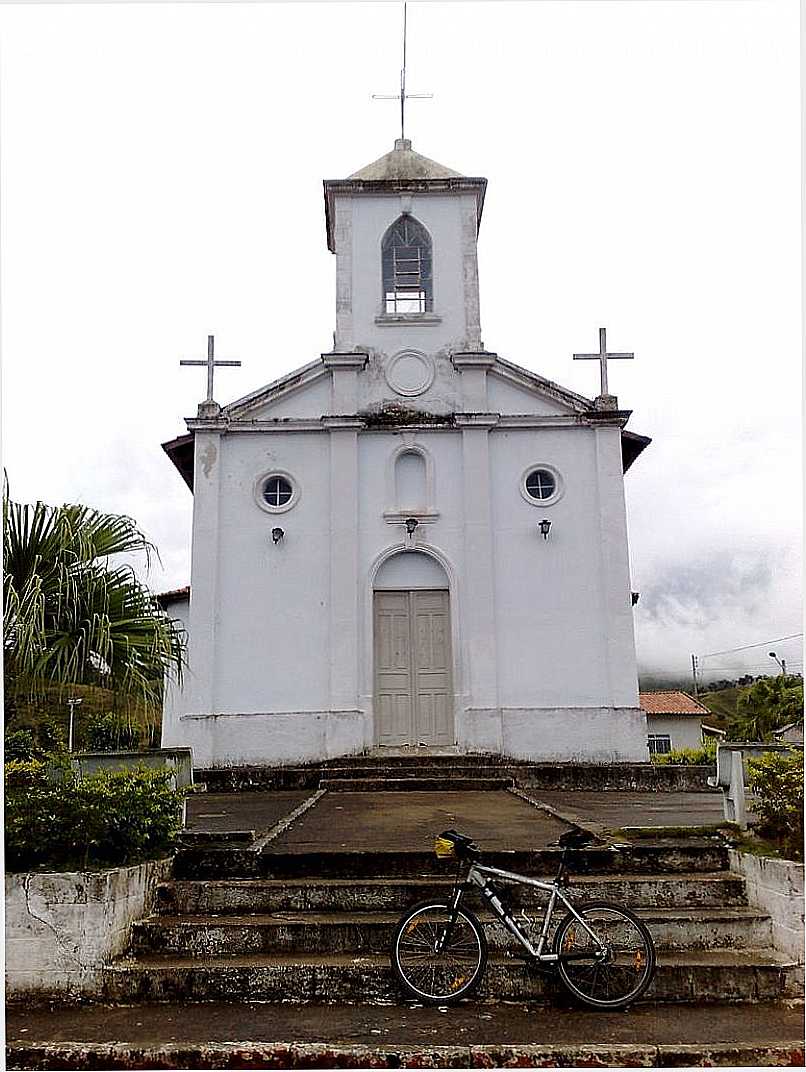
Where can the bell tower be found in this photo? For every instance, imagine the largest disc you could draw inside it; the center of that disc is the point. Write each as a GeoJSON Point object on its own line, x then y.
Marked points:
{"type": "Point", "coordinates": [404, 231]}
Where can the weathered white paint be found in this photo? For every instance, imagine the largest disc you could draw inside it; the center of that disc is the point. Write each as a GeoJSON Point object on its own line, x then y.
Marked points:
{"type": "Point", "coordinates": [685, 731]}
{"type": "Point", "coordinates": [281, 634]}
{"type": "Point", "coordinates": [61, 928]}
{"type": "Point", "coordinates": [776, 887]}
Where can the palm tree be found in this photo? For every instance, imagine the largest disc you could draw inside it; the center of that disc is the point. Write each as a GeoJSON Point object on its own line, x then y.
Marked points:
{"type": "Point", "coordinates": [770, 704]}
{"type": "Point", "coordinates": [73, 617]}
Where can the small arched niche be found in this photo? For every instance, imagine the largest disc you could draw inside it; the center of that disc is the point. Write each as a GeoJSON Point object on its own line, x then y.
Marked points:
{"type": "Point", "coordinates": [411, 482]}
{"type": "Point", "coordinates": [410, 569]}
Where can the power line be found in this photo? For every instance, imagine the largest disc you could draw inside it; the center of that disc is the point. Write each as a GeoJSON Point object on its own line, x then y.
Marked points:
{"type": "Point", "coordinates": [747, 647]}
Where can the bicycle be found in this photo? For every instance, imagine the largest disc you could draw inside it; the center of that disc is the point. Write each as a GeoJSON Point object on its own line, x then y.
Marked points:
{"type": "Point", "coordinates": [603, 954]}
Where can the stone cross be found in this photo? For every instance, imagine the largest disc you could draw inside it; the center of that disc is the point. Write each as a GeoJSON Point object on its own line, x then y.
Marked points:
{"type": "Point", "coordinates": [603, 357]}
{"type": "Point", "coordinates": [402, 96]}
{"type": "Point", "coordinates": [211, 364]}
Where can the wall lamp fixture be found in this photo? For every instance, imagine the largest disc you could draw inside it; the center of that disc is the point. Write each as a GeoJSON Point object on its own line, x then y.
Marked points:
{"type": "Point", "coordinates": [545, 528]}
{"type": "Point", "coordinates": [277, 534]}
{"type": "Point", "coordinates": [411, 525]}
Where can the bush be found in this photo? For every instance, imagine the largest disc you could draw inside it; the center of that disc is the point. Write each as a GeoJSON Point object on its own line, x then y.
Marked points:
{"type": "Point", "coordinates": [776, 779]}
{"type": "Point", "coordinates": [108, 819]}
{"type": "Point", "coordinates": [689, 757]}
{"type": "Point", "coordinates": [19, 744]}
{"type": "Point", "coordinates": [33, 739]}
{"type": "Point", "coordinates": [110, 733]}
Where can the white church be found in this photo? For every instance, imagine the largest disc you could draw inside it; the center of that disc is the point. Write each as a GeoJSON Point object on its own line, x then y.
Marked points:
{"type": "Point", "coordinates": [409, 542]}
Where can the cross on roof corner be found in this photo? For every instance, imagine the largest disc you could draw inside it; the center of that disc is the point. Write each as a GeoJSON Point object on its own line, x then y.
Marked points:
{"type": "Point", "coordinates": [604, 400]}
{"type": "Point", "coordinates": [210, 407]}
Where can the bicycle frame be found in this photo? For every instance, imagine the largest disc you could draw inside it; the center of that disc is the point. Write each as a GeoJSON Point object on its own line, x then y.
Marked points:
{"type": "Point", "coordinates": [477, 876]}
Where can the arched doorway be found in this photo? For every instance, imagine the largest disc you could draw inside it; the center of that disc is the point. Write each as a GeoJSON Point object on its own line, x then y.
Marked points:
{"type": "Point", "coordinates": [412, 647]}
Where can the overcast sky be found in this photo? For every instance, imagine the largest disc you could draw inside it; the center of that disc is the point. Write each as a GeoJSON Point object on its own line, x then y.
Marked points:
{"type": "Point", "coordinates": [161, 180]}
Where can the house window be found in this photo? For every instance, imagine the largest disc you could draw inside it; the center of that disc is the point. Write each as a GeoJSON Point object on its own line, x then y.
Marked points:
{"type": "Point", "coordinates": [660, 744]}
{"type": "Point", "coordinates": [406, 267]}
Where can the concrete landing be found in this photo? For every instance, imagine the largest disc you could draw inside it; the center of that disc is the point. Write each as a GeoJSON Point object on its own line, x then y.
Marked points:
{"type": "Point", "coordinates": [409, 821]}
{"type": "Point", "coordinates": [469, 1036]}
{"type": "Point", "coordinates": [617, 809]}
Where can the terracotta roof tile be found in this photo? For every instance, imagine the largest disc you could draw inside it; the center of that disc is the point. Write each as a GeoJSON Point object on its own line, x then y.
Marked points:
{"type": "Point", "coordinates": [673, 702]}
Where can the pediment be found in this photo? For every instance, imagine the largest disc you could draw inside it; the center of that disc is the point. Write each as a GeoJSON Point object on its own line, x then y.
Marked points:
{"type": "Point", "coordinates": [512, 390]}
{"type": "Point", "coordinates": [303, 393]}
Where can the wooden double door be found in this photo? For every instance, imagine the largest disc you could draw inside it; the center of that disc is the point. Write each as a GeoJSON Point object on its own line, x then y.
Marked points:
{"type": "Point", "coordinates": [413, 687]}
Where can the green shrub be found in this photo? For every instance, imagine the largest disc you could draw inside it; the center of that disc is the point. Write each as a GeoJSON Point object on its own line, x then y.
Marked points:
{"type": "Point", "coordinates": [110, 732]}
{"type": "Point", "coordinates": [19, 744]}
{"type": "Point", "coordinates": [776, 779]}
{"type": "Point", "coordinates": [689, 757]}
{"type": "Point", "coordinates": [109, 819]}
{"type": "Point", "coordinates": [33, 738]}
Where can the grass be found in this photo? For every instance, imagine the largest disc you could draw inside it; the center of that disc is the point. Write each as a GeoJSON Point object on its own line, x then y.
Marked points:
{"type": "Point", "coordinates": [722, 705]}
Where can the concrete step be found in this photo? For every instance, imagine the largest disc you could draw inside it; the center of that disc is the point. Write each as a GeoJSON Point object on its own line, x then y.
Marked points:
{"type": "Point", "coordinates": [382, 1036]}
{"type": "Point", "coordinates": [419, 770]}
{"type": "Point", "coordinates": [633, 777]}
{"type": "Point", "coordinates": [639, 857]}
{"type": "Point", "coordinates": [320, 932]}
{"type": "Point", "coordinates": [437, 783]}
{"type": "Point", "coordinates": [242, 896]}
{"type": "Point", "coordinates": [707, 976]}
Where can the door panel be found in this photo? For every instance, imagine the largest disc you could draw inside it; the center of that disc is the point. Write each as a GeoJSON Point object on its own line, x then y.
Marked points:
{"type": "Point", "coordinates": [413, 688]}
{"type": "Point", "coordinates": [393, 678]}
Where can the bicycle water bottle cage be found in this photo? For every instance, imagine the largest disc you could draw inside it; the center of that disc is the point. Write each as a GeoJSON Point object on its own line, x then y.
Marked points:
{"type": "Point", "coordinates": [452, 845]}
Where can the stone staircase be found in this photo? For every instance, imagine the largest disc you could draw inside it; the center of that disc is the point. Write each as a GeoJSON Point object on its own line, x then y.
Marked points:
{"type": "Point", "coordinates": [244, 925]}
{"type": "Point", "coordinates": [440, 771]}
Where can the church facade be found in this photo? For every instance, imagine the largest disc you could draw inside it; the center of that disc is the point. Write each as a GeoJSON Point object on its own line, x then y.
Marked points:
{"type": "Point", "coordinates": [410, 542]}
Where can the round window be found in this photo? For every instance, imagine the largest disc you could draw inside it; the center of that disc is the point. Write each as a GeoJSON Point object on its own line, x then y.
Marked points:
{"type": "Point", "coordinates": [541, 484]}
{"type": "Point", "coordinates": [276, 492]}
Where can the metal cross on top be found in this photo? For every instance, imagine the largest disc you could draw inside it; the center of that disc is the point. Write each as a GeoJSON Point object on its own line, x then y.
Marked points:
{"type": "Point", "coordinates": [603, 357]}
{"type": "Point", "coordinates": [211, 364]}
{"type": "Point", "coordinates": [402, 96]}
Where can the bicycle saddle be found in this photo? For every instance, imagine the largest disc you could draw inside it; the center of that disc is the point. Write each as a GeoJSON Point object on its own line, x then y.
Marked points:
{"type": "Point", "coordinates": [452, 843]}
{"type": "Point", "coordinates": [574, 839]}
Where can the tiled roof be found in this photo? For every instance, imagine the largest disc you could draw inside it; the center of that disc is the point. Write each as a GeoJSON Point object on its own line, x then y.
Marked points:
{"type": "Point", "coordinates": [673, 702]}
{"type": "Point", "coordinates": [174, 596]}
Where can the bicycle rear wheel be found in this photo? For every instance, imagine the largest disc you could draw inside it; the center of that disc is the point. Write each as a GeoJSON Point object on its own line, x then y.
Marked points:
{"type": "Point", "coordinates": [436, 961]}
{"type": "Point", "coordinates": [622, 975]}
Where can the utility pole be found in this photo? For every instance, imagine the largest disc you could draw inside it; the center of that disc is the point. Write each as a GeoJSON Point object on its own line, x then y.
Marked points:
{"type": "Point", "coordinates": [694, 675]}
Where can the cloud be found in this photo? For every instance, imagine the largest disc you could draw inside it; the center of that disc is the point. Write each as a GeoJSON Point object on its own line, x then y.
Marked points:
{"type": "Point", "coordinates": [693, 592]}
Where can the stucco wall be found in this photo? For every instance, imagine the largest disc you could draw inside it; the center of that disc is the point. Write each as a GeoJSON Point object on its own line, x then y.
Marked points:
{"type": "Point", "coordinates": [685, 731]}
{"type": "Point", "coordinates": [362, 223]}
{"type": "Point", "coordinates": [558, 619]}
{"type": "Point", "coordinates": [61, 928]}
{"type": "Point", "coordinates": [775, 886]}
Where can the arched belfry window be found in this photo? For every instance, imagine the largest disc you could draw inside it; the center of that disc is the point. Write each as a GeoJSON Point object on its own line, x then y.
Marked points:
{"type": "Point", "coordinates": [406, 260]}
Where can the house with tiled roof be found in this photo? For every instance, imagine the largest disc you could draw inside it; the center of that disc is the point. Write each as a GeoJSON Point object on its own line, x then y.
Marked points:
{"type": "Point", "coordinates": [673, 720]}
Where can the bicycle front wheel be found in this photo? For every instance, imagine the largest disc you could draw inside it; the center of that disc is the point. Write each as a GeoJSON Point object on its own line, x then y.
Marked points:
{"type": "Point", "coordinates": [437, 961]}
{"type": "Point", "coordinates": [612, 969]}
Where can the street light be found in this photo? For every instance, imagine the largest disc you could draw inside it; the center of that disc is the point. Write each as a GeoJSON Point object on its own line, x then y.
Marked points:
{"type": "Point", "coordinates": [781, 662]}
{"type": "Point", "coordinates": [72, 705]}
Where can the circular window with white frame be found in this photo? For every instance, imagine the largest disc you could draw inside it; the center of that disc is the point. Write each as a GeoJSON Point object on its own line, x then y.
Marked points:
{"type": "Point", "coordinates": [541, 485]}
{"type": "Point", "coordinates": [276, 492]}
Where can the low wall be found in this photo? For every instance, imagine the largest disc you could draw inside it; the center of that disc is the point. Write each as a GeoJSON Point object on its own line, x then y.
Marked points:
{"type": "Point", "coordinates": [62, 927]}
{"type": "Point", "coordinates": [776, 887]}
